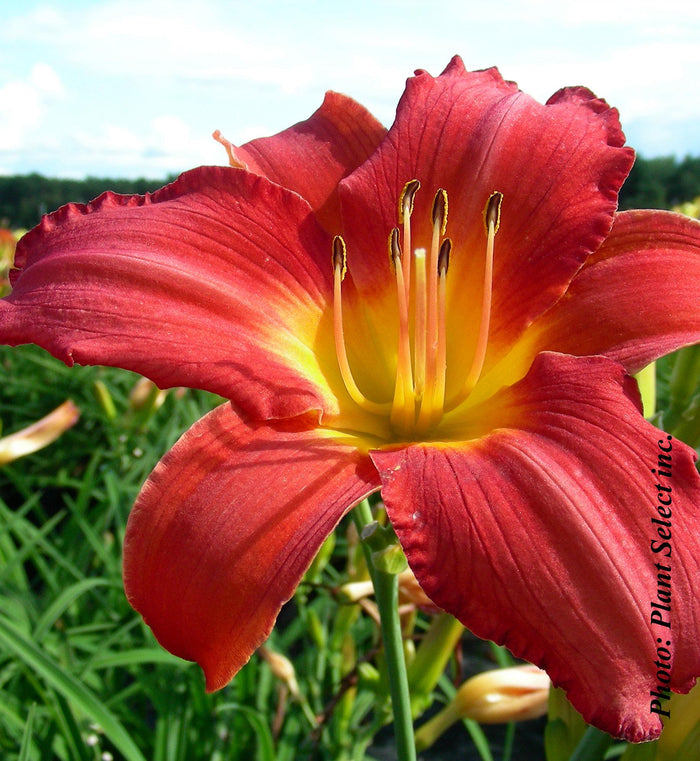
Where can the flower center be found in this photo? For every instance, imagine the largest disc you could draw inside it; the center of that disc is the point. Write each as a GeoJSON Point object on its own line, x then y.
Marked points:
{"type": "Point", "coordinates": [419, 400]}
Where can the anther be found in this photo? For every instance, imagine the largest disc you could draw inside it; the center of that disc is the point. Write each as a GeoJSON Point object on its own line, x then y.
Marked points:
{"type": "Point", "coordinates": [492, 212]}
{"type": "Point", "coordinates": [444, 256]}
{"type": "Point", "coordinates": [406, 199]}
{"type": "Point", "coordinates": [340, 256]}
{"type": "Point", "coordinates": [405, 210]}
{"type": "Point", "coordinates": [395, 253]}
{"type": "Point", "coordinates": [439, 213]}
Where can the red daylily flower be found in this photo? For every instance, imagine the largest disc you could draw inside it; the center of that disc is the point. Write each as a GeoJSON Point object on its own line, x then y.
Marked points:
{"type": "Point", "coordinates": [477, 376]}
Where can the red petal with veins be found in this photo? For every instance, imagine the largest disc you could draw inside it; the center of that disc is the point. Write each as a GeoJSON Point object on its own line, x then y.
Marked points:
{"type": "Point", "coordinates": [539, 536]}
{"type": "Point", "coordinates": [635, 300]}
{"type": "Point", "coordinates": [220, 281]}
{"type": "Point", "coordinates": [559, 167]}
{"type": "Point", "coordinates": [225, 528]}
{"type": "Point", "coordinates": [313, 156]}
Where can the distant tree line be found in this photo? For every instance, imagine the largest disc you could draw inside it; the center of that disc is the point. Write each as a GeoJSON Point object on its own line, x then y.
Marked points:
{"type": "Point", "coordinates": [24, 198]}
{"type": "Point", "coordinates": [661, 183]}
{"type": "Point", "coordinates": [658, 183]}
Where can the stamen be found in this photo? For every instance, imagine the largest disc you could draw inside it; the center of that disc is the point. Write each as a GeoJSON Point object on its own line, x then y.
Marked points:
{"type": "Point", "coordinates": [405, 211]}
{"type": "Point", "coordinates": [429, 337]}
{"type": "Point", "coordinates": [418, 403]}
{"type": "Point", "coordinates": [403, 407]}
{"type": "Point", "coordinates": [492, 220]}
{"type": "Point", "coordinates": [441, 359]}
{"type": "Point", "coordinates": [339, 270]}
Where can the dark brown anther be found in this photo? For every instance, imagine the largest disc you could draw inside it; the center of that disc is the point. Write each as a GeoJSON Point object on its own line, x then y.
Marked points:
{"type": "Point", "coordinates": [440, 210]}
{"type": "Point", "coordinates": [406, 199]}
{"type": "Point", "coordinates": [444, 256]}
{"type": "Point", "coordinates": [395, 252]}
{"type": "Point", "coordinates": [339, 256]}
{"type": "Point", "coordinates": [492, 212]}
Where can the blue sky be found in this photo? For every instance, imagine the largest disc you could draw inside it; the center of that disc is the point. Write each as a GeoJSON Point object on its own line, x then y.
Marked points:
{"type": "Point", "coordinates": [135, 87]}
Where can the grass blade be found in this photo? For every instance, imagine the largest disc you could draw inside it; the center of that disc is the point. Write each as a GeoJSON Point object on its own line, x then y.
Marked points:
{"type": "Point", "coordinates": [73, 690]}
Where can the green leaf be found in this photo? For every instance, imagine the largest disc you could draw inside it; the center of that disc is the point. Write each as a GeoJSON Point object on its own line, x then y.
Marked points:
{"type": "Point", "coordinates": [68, 686]}
{"type": "Point", "coordinates": [25, 748]}
{"type": "Point", "coordinates": [266, 746]}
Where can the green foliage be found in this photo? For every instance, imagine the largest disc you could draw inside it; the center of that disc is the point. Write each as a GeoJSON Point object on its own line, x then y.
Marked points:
{"type": "Point", "coordinates": [80, 674]}
{"type": "Point", "coordinates": [25, 198]}
{"type": "Point", "coordinates": [661, 183]}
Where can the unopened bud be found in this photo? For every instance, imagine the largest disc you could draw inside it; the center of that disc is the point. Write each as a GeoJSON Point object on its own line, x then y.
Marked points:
{"type": "Point", "coordinates": [104, 399]}
{"type": "Point", "coordinates": [411, 593]}
{"type": "Point", "coordinates": [494, 697]}
{"type": "Point", "coordinates": [354, 591]}
{"type": "Point", "coordinates": [146, 396]}
{"type": "Point", "coordinates": [281, 668]}
{"type": "Point", "coordinates": [502, 695]}
{"type": "Point", "coordinates": [40, 434]}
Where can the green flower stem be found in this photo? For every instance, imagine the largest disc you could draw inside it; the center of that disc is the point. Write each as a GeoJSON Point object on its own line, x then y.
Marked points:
{"type": "Point", "coordinates": [592, 746]}
{"type": "Point", "coordinates": [386, 592]}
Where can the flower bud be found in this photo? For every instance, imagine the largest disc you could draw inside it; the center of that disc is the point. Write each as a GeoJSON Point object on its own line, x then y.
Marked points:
{"type": "Point", "coordinates": [40, 434]}
{"type": "Point", "coordinates": [281, 668]}
{"type": "Point", "coordinates": [493, 697]}
{"type": "Point", "coordinates": [502, 695]}
{"type": "Point", "coordinates": [145, 396]}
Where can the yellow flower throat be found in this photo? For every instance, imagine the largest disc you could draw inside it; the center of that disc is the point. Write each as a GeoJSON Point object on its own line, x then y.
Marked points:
{"type": "Point", "coordinates": [419, 400]}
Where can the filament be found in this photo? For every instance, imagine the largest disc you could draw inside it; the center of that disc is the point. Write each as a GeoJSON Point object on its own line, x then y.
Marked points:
{"type": "Point", "coordinates": [339, 269]}
{"type": "Point", "coordinates": [492, 216]}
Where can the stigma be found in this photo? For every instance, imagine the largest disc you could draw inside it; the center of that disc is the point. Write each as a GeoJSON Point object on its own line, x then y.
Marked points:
{"type": "Point", "coordinates": [419, 275]}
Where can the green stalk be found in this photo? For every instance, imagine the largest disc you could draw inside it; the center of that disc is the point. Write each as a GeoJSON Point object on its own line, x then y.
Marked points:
{"type": "Point", "coordinates": [592, 746]}
{"type": "Point", "coordinates": [386, 592]}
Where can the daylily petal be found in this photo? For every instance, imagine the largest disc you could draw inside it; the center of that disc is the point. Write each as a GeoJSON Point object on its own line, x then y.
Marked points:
{"type": "Point", "coordinates": [559, 167]}
{"type": "Point", "coordinates": [225, 528]}
{"type": "Point", "coordinates": [635, 300]}
{"type": "Point", "coordinates": [219, 281]}
{"type": "Point", "coordinates": [312, 156]}
{"type": "Point", "coordinates": [539, 536]}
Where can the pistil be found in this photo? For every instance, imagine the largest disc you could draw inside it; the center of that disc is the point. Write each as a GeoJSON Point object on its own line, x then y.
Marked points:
{"type": "Point", "coordinates": [418, 402]}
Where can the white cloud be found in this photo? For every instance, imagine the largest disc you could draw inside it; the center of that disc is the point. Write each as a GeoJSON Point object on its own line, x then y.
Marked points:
{"type": "Point", "coordinates": [165, 144]}
{"type": "Point", "coordinates": [47, 81]}
{"type": "Point", "coordinates": [23, 104]}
